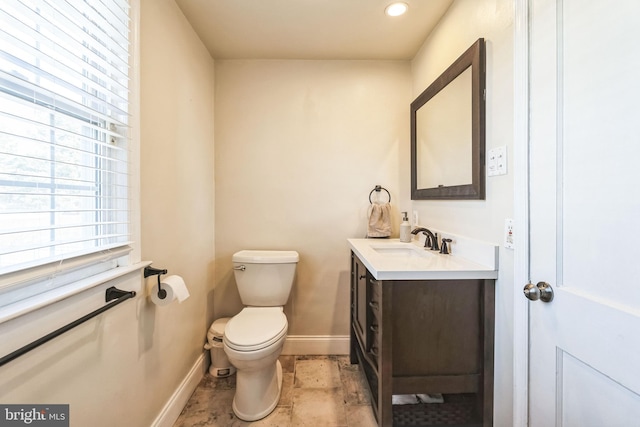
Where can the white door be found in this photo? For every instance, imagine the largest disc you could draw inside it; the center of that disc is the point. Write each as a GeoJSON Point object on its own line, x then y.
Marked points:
{"type": "Point", "coordinates": [584, 347]}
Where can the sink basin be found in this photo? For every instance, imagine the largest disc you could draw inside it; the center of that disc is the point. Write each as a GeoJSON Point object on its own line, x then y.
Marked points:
{"type": "Point", "coordinates": [391, 259]}
{"type": "Point", "coordinates": [400, 250]}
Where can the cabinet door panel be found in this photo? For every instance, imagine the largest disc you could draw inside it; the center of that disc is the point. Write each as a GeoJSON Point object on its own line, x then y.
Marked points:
{"type": "Point", "coordinates": [361, 300]}
{"type": "Point", "coordinates": [436, 328]}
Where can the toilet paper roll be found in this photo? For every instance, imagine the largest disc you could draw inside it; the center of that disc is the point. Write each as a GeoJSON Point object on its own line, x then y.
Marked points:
{"type": "Point", "coordinates": [175, 288]}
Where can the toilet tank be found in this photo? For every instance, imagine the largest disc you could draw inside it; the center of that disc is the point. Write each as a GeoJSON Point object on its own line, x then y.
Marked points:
{"type": "Point", "coordinates": [264, 278]}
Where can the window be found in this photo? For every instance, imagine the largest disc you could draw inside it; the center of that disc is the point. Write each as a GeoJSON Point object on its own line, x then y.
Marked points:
{"type": "Point", "coordinates": [64, 145]}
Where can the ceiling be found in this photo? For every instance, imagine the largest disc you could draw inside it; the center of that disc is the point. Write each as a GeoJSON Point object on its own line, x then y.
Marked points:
{"type": "Point", "coordinates": [311, 29]}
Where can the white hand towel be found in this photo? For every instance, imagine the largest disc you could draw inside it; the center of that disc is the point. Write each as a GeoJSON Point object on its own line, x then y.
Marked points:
{"type": "Point", "coordinates": [380, 220]}
{"type": "Point", "coordinates": [404, 399]}
{"type": "Point", "coordinates": [431, 398]}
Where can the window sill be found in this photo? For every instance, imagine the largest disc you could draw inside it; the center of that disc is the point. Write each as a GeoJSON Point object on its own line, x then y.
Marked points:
{"type": "Point", "coordinates": [34, 303]}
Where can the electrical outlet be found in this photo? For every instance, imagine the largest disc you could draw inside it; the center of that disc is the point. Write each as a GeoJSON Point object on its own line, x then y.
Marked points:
{"type": "Point", "coordinates": [509, 237]}
{"type": "Point", "coordinates": [415, 218]}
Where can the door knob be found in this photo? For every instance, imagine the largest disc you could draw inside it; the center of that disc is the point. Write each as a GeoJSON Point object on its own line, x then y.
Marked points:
{"type": "Point", "coordinates": [541, 291]}
{"type": "Point", "coordinates": [531, 291]}
{"type": "Point", "coordinates": [546, 291]}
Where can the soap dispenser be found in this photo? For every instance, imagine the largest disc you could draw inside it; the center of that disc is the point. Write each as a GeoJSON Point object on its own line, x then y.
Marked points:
{"type": "Point", "coordinates": [405, 229]}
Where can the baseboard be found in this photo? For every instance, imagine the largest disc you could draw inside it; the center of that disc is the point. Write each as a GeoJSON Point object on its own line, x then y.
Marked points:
{"type": "Point", "coordinates": [316, 344]}
{"type": "Point", "coordinates": [180, 397]}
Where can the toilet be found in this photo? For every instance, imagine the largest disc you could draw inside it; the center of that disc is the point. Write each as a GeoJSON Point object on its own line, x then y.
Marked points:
{"type": "Point", "coordinates": [253, 339]}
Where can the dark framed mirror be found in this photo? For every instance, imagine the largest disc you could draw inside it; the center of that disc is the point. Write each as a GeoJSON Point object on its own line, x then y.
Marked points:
{"type": "Point", "coordinates": [448, 132]}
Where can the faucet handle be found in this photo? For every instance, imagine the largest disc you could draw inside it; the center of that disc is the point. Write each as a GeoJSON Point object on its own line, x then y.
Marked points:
{"type": "Point", "coordinates": [445, 248]}
{"type": "Point", "coordinates": [434, 245]}
{"type": "Point", "coordinates": [427, 240]}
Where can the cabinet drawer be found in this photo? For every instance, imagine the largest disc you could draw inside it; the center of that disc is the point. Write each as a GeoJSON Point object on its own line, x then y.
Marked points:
{"type": "Point", "coordinates": [374, 339]}
{"type": "Point", "coordinates": [375, 301]}
{"type": "Point", "coordinates": [375, 324]}
{"type": "Point", "coordinates": [376, 289]}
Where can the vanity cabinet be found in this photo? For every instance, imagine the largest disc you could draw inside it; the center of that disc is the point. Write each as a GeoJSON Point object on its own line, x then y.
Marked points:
{"type": "Point", "coordinates": [424, 336]}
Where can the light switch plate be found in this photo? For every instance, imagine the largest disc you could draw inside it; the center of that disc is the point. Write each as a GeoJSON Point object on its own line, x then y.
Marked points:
{"type": "Point", "coordinates": [415, 218]}
{"type": "Point", "coordinates": [497, 161]}
{"type": "Point", "coordinates": [509, 237]}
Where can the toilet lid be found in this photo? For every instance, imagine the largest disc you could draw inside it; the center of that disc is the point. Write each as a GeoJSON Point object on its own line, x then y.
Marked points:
{"type": "Point", "coordinates": [255, 328]}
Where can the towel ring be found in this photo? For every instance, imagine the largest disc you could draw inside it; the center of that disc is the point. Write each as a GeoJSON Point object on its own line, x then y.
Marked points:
{"type": "Point", "coordinates": [378, 188]}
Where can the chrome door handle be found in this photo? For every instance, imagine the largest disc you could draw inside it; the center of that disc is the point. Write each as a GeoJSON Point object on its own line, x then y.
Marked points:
{"type": "Point", "coordinates": [532, 292]}
{"type": "Point", "coordinates": [546, 291]}
{"type": "Point", "coordinates": [541, 291]}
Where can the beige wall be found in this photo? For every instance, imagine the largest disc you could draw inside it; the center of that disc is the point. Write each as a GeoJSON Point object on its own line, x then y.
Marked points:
{"type": "Point", "coordinates": [464, 23]}
{"type": "Point", "coordinates": [121, 368]}
{"type": "Point", "coordinates": [177, 189]}
{"type": "Point", "coordinates": [299, 146]}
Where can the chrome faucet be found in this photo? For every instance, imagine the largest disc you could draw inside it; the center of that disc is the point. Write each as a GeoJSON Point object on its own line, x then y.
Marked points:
{"type": "Point", "coordinates": [431, 240]}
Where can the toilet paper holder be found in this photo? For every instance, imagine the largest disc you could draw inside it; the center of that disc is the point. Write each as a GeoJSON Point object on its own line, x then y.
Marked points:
{"type": "Point", "coordinates": [151, 271]}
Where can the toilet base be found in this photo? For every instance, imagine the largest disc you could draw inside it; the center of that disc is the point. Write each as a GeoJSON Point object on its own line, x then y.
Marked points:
{"type": "Point", "coordinates": [257, 395]}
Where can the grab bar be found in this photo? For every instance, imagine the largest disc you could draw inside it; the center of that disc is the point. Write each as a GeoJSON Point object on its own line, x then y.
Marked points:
{"type": "Point", "coordinates": [111, 293]}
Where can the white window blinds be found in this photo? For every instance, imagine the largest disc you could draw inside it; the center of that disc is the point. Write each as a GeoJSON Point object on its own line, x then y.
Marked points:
{"type": "Point", "coordinates": [64, 76]}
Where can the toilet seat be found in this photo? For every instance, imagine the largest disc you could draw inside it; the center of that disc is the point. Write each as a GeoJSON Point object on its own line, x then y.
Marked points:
{"type": "Point", "coordinates": [255, 328]}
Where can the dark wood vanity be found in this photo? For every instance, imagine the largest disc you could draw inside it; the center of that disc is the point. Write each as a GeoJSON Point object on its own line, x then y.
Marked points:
{"type": "Point", "coordinates": [424, 336]}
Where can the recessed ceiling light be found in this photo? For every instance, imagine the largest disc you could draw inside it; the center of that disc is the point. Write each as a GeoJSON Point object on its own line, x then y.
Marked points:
{"type": "Point", "coordinates": [396, 9]}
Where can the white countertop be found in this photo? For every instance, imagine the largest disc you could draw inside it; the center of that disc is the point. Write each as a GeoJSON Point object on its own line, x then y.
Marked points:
{"type": "Point", "coordinates": [481, 261]}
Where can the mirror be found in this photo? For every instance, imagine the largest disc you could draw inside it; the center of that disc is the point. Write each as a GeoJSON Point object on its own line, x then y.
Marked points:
{"type": "Point", "coordinates": [448, 132]}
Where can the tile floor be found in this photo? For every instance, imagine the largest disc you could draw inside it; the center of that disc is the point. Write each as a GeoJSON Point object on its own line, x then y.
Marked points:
{"type": "Point", "coordinates": [317, 391]}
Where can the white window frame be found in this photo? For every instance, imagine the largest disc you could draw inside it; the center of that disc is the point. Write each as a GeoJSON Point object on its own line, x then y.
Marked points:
{"type": "Point", "coordinates": [76, 271]}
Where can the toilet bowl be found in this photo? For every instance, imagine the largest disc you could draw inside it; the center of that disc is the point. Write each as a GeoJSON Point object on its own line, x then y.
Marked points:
{"type": "Point", "coordinates": [253, 339]}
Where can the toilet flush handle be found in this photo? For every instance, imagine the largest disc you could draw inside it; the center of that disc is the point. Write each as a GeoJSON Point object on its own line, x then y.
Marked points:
{"type": "Point", "coordinates": [240, 267]}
